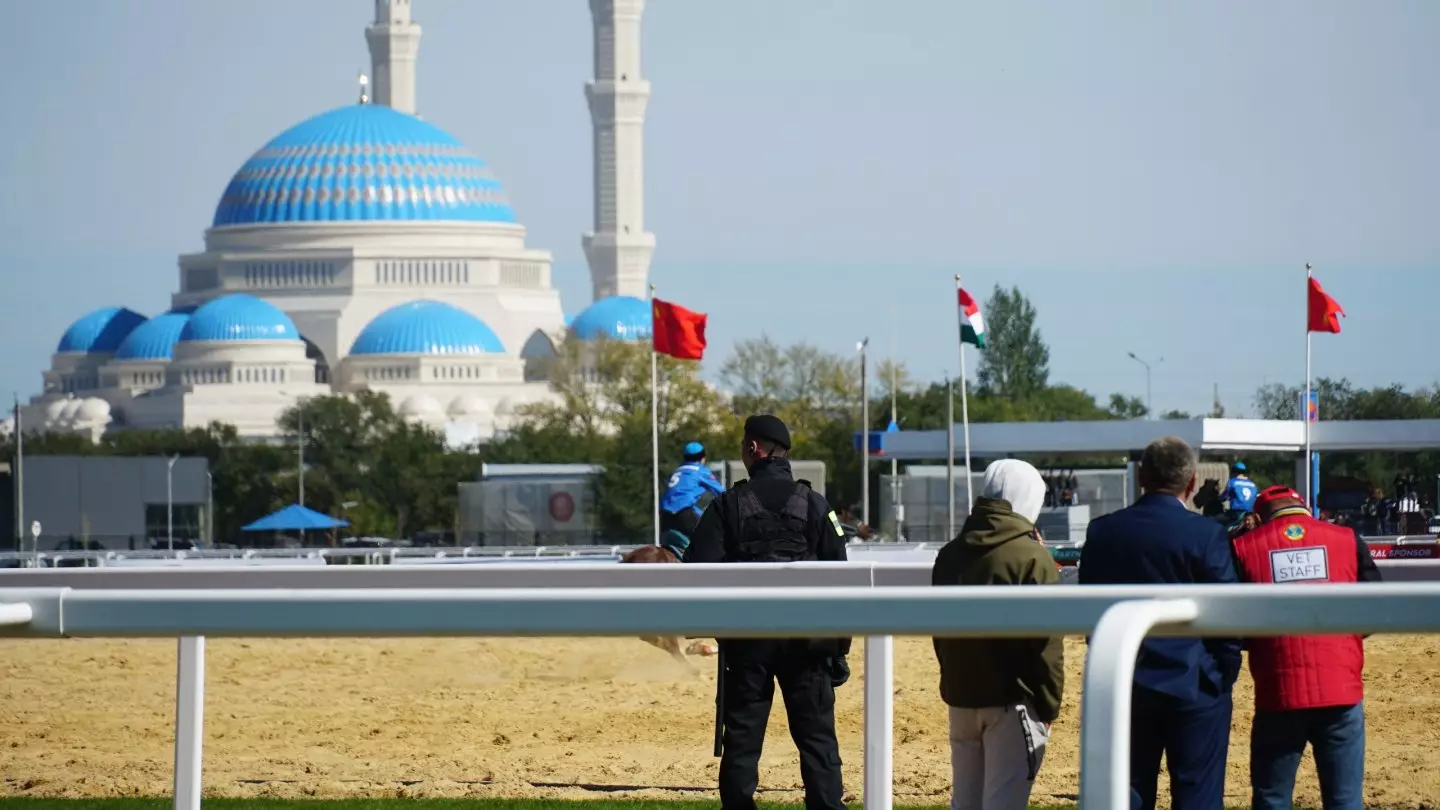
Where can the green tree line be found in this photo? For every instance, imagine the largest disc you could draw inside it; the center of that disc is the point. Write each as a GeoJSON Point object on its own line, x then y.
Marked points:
{"type": "Point", "coordinates": [392, 478]}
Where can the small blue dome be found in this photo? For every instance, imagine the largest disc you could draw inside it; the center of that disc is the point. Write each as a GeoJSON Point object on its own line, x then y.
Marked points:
{"type": "Point", "coordinates": [619, 317]}
{"type": "Point", "coordinates": [100, 332]}
{"type": "Point", "coordinates": [155, 339]}
{"type": "Point", "coordinates": [426, 327]}
{"type": "Point", "coordinates": [238, 317]}
{"type": "Point", "coordinates": [363, 162]}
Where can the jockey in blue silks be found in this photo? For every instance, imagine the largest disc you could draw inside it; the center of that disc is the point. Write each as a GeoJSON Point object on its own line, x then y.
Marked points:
{"type": "Point", "coordinates": [680, 508]}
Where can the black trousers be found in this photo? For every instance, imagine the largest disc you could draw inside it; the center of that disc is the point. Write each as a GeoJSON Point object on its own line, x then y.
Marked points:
{"type": "Point", "coordinates": [751, 670]}
{"type": "Point", "coordinates": [683, 521]}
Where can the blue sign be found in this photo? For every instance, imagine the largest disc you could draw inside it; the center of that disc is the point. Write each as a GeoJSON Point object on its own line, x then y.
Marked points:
{"type": "Point", "coordinates": [877, 442]}
{"type": "Point", "coordinates": [1311, 409]}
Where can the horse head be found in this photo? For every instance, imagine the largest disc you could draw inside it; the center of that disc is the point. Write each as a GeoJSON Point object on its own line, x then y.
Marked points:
{"type": "Point", "coordinates": [1207, 497]}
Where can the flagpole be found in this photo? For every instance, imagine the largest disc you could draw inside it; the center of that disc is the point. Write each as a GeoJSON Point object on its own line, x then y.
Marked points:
{"type": "Point", "coordinates": [864, 436]}
{"type": "Point", "coordinates": [1305, 403]}
{"type": "Point", "coordinates": [965, 418]}
{"type": "Point", "coordinates": [654, 419]}
{"type": "Point", "coordinates": [950, 457]}
{"type": "Point", "coordinates": [897, 487]}
{"type": "Point", "coordinates": [19, 475]}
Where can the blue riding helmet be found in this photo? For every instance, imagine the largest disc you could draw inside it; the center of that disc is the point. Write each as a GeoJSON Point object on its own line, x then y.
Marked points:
{"type": "Point", "coordinates": [694, 449]}
{"type": "Point", "coordinates": [1239, 467]}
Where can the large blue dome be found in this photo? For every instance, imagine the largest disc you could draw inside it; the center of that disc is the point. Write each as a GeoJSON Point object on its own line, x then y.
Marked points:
{"type": "Point", "coordinates": [155, 339]}
{"type": "Point", "coordinates": [100, 331]}
{"type": "Point", "coordinates": [426, 327]}
{"type": "Point", "coordinates": [238, 317]}
{"type": "Point", "coordinates": [363, 162]}
{"type": "Point", "coordinates": [619, 317]}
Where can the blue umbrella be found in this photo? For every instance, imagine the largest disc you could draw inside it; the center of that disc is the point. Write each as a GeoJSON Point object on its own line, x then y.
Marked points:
{"type": "Point", "coordinates": [294, 518]}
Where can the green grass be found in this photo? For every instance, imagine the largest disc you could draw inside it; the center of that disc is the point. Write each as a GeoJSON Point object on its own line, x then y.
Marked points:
{"type": "Point", "coordinates": [408, 804]}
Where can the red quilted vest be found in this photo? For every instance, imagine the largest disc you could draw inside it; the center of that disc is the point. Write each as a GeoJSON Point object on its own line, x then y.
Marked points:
{"type": "Point", "coordinates": [1302, 672]}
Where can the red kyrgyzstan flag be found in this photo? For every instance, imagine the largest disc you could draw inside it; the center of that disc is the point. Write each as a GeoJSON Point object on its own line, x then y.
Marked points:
{"type": "Point", "coordinates": [678, 332]}
{"type": "Point", "coordinates": [1324, 311]}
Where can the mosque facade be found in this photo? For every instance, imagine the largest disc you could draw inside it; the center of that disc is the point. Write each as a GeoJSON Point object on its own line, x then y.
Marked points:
{"type": "Point", "coordinates": [366, 249]}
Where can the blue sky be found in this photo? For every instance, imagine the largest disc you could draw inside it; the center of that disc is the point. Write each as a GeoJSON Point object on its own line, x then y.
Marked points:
{"type": "Point", "coordinates": [1154, 176]}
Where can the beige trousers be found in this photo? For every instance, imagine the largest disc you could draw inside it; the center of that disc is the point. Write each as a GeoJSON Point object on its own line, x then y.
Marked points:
{"type": "Point", "coordinates": [995, 753]}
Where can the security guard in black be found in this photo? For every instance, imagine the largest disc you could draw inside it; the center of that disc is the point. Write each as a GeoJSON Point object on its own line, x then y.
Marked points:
{"type": "Point", "coordinates": [774, 518]}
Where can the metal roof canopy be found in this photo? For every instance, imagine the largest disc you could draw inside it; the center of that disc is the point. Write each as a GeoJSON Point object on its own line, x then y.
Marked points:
{"type": "Point", "coordinates": [493, 471]}
{"type": "Point", "coordinates": [1002, 439]}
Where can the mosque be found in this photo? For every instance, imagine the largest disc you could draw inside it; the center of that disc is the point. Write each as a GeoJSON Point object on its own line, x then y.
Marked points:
{"type": "Point", "coordinates": [367, 249]}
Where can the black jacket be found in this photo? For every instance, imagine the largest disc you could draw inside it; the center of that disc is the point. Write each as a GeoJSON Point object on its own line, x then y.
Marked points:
{"type": "Point", "coordinates": [773, 483]}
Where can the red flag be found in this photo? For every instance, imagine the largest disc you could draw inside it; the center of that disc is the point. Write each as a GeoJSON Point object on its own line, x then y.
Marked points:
{"type": "Point", "coordinates": [1324, 311]}
{"type": "Point", "coordinates": [678, 332]}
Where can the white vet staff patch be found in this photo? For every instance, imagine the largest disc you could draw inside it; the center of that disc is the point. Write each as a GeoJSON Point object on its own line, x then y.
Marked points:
{"type": "Point", "coordinates": [1299, 565]}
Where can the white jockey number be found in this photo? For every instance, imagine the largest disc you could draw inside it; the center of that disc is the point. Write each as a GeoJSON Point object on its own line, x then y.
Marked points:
{"type": "Point", "coordinates": [674, 480]}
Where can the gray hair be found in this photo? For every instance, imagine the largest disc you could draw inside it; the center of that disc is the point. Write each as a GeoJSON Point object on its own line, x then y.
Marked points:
{"type": "Point", "coordinates": [1167, 465]}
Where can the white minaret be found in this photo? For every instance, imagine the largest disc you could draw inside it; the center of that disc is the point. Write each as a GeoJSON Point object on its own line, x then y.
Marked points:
{"type": "Point", "coordinates": [618, 249]}
{"type": "Point", "coordinates": [394, 42]}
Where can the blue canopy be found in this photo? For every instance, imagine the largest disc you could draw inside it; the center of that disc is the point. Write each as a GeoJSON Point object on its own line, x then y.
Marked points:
{"type": "Point", "coordinates": [294, 518]}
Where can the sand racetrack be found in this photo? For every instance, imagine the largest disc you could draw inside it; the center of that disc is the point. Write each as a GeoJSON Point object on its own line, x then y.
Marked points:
{"type": "Point", "coordinates": [537, 718]}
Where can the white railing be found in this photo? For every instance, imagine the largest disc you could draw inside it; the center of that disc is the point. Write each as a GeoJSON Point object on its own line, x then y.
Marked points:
{"type": "Point", "coordinates": [814, 599]}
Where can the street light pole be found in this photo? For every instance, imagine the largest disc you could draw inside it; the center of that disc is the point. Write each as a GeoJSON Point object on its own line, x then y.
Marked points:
{"type": "Point", "coordinates": [300, 445]}
{"type": "Point", "coordinates": [170, 502]}
{"type": "Point", "coordinates": [864, 437]}
{"type": "Point", "coordinates": [1149, 403]}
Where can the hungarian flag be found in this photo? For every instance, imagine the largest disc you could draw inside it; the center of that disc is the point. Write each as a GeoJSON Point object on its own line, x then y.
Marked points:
{"type": "Point", "coordinates": [678, 332]}
{"type": "Point", "coordinates": [1324, 311]}
{"type": "Point", "coordinates": [972, 323]}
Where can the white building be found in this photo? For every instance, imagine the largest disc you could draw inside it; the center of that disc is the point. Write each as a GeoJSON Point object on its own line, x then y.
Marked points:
{"type": "Point", "coordinates": [368, 249]}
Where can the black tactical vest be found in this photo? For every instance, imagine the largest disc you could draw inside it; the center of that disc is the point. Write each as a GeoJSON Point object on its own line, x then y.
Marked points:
{"type": "Point", "coordinates": [767, 536]}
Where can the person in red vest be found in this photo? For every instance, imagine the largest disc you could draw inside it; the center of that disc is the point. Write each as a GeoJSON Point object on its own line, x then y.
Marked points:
{"type": "Point", "coordinates": [1308, 689]}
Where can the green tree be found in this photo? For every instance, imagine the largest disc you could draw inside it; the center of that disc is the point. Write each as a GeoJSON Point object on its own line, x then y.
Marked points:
{"type": "Point", "coordinates": [817, 393]}
{"type": "Point", "coordinates": [246, 477]}
{"type": "Point", "coordinates": [1015, 362]}
{"type": "Point", "coordinates": [804, 385]}
{"type": "Point", "coordinates": [603, 404]}
{"type": "Point", "coordinates": [1123, 407]}
{"type": "Point", "coordinates": [1342, 400]}
{"type": "Point", "coordinates": [400, 476]}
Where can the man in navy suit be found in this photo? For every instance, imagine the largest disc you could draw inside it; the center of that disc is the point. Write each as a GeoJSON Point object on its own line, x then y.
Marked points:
{"type": "Point", "coordinates": [1181, 705]}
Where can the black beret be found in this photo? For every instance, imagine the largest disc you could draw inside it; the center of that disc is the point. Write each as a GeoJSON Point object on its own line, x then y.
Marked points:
{"type": "Point", "coordinates": [767, 427]}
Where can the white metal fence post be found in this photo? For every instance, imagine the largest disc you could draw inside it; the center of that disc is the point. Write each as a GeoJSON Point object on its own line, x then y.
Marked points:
{"type": "Point", "coordinates": [1109, 676]}
{"type": "Point", "coordinates": [15, 614]}
{"type": "Point", "coordinates": [189, 721]}
{"type": "Point", "coordinates": [879, 721]}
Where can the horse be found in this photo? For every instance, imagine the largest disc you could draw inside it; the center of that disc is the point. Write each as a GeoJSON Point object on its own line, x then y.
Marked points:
{"type": "Point", "coordinates": [670, 644]}
{"type": "Point", "coordinates": [1207, 499]}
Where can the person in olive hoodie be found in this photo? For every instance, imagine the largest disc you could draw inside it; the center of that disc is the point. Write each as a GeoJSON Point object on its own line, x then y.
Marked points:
{"type": "Point", "coordinates": [1003, 694]}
